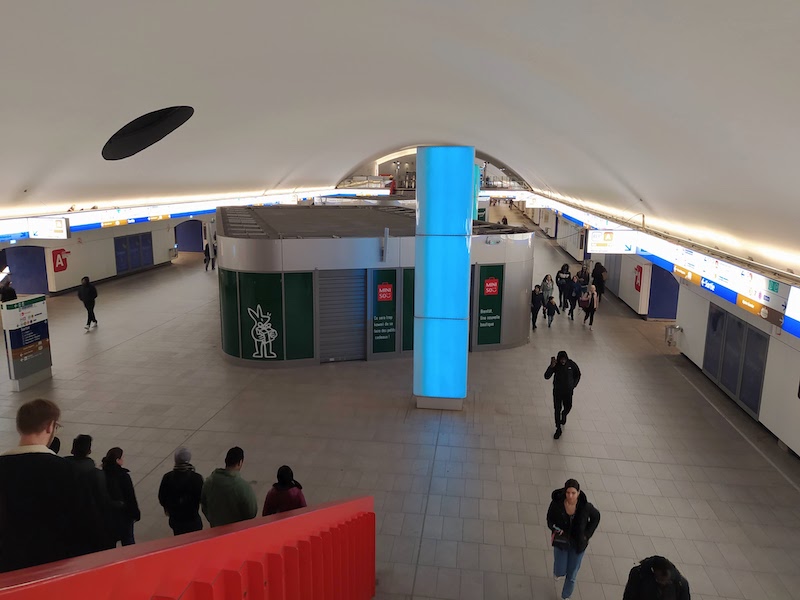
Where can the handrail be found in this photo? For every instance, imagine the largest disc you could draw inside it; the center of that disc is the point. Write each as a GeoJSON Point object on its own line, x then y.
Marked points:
{"type": "Point", "coordinates": [327, 551]}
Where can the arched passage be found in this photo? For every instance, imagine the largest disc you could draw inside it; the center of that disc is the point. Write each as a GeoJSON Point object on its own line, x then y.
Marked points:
{"type": "Point", "coordinates": [189, 236]}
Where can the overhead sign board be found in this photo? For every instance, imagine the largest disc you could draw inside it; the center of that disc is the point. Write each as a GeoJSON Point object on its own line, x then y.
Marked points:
{"type": "Point", "coordinates": [46, 228]}
{"type": "Point", "coordinates": [604, 241]}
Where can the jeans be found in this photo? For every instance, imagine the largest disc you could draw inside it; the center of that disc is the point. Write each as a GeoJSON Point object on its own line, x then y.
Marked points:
{"type": "Point", "coordinates": [561, 405]}
{"type": "Point", "coordinates": [567, 563]}
{"type": "Point", "coordinates": [90, 318]}
{"type": "Point", "coordinates": [549, 319]}
{"type": "Point", "coordinates": [573, 302]}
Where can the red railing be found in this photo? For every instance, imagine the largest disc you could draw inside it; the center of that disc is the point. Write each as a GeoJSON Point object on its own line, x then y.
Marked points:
{"type": "Point", "coordinates": [326, 552]}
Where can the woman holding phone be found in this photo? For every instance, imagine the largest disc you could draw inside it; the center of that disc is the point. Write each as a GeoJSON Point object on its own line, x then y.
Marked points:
{"type": "Point", "coordinates": [572, 519]}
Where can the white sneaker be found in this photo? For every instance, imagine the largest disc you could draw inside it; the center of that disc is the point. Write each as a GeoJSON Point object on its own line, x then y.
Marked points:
{"type": "Point", "coordinates": [558, 577]}
{"type": "Point", "coordinates": [86, 328]}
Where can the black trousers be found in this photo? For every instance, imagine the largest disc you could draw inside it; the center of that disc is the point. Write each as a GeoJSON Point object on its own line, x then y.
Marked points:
{"type": "Point", "coordinates": [589, 315]}
{"type": "Point", "coordinates": [562, 297]}
{"type": "Point", "coordinates": [90, 318]}
{"type": "Point", "coordinates": [562, 404]}
{"type": "Point", "coordinates": [573, 302]}
{"type": "Point", "coordinates": [534, 316]}
{"type": "Point", "coordinates": [181, 527]}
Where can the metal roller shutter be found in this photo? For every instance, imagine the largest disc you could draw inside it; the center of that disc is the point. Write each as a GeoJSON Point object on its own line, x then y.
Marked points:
{"type": "Point", "coordinates": [343, 315]}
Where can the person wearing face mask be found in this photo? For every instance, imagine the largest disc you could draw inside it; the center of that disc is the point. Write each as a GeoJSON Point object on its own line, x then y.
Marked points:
{"type": "Point", "coordinates": [656, 578]}
{"type": "Point", "coordinates": [572, 519]}
{"type": "Point", "coordinates": [566, 376]}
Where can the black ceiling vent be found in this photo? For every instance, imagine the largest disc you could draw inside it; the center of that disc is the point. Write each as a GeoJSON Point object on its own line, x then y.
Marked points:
{"type": "Point", "coordinates": [145, 131]}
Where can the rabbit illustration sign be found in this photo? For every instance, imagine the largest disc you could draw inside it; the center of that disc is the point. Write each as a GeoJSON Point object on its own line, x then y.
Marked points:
{"type": "Point", "coordinates": [263, 333]}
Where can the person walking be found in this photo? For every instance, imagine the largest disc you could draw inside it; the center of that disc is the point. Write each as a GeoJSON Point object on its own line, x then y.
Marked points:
{"type": "Point", "coordinates": [284, 495]}
{"type": "Point", "coordinates": [537, 304]}
{"type": "Point", "coordinates": [572, 519]}
{"type": "Point", "coordinates": [656, 577]}
{"type": "Point", "coordinates": [592, 305]}
{"type": "Point", "coordinates": [7, 293]}
{"type": "Point", "coordinates": [599, 276]}
{"type": "Point", "coordinates": [563, 279]}
{"type": "Point", "coordinates": [206, 255]}
{"type": "Point", "coordinates": [124, 507]}
{"type": "Point", "coordinates": [583, 275]}
{"type": "Point", "coordinates": [551, 309]}
{"type": "Point", "coordinates": [226, 497]}
{"type": "Point", "coordinates": [179, 494]}
{"type": "Point", "coordinates": [87, 294]}
{"type": "Point", "coordinates": [47, 513]}
{"type": "Point", "coordinates": [548, 286]}
{"type": "Point", "coordinates": [574, 288]}
{"type": "Point", "coordinates": [566, 375]}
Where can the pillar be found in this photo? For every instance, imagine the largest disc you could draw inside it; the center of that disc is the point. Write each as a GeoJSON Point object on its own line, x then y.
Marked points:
{"type": "Point", "coordinates": [445, 197]}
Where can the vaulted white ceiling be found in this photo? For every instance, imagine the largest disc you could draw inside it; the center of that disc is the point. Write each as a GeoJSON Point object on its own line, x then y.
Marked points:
{"type": "Point", "coordinates": [692, 107]}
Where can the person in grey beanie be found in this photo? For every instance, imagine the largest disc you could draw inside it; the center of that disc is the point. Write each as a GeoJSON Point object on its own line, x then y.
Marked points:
{"type": "Point", "coordinates": [179, 494]}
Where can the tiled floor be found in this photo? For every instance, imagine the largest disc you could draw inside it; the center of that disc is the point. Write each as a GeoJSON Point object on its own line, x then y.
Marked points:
{"type": "Point", "coordinates": [461, 497]}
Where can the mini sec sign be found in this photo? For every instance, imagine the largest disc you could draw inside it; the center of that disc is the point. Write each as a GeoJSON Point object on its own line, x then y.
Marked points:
{"type": "Point", "coordinates": [385, 292]}
{"type": "Point", "coordinates": [491, 286]}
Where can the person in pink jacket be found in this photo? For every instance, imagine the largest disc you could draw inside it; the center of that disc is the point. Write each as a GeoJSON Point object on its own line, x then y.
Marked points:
{"type": "Point", "coordinates": [286, 494]}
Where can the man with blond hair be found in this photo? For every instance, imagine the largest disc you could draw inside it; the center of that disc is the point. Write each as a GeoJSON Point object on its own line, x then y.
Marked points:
{"type": "Point", "coordinates": [45, 514]}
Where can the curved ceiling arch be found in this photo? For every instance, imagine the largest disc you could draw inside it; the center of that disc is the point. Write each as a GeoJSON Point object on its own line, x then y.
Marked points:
{"type": "Point", "coordinates": [684, 111]}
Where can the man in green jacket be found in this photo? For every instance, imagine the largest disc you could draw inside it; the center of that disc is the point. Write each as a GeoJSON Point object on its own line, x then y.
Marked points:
{"type": "Point", "coordinates": [226, 497]}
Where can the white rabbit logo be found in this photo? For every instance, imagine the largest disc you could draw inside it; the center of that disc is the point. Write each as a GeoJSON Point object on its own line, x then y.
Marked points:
{"type": "Point", "coordinates": [263, 333]}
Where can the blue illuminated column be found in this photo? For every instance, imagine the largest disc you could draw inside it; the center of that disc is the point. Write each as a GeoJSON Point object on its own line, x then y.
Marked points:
{"type": "Point", "coordinates": [445, 201]}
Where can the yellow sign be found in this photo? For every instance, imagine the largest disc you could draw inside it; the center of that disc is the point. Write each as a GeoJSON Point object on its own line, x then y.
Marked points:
{"type": "Point", "coordinates": [690, 276]}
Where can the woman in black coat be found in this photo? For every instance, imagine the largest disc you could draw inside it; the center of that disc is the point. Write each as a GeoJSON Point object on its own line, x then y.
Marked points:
{"type": "Point", "coordinates": [599, 274]}
{"type": "Point", "coordinates": [573, 520]}
{"type": "Point", "coordinates": [125, 508]}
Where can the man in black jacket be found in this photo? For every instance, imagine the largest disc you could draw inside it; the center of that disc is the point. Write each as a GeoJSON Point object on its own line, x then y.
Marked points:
{"type": "Point", "coordinates": [656, 577]}
{"type": "Point", "coordinates": [537, 302]}
{"type": "Point", "coordinates": [179, 494]}
{"type": "Point", "coordinates": [95, 485]}
{"type": "Point", "coordinates": [567, 375]}
{"type": "Point", "coordinates": [87, 294]}
{"type": "Point", "coordinates": [44, 512]}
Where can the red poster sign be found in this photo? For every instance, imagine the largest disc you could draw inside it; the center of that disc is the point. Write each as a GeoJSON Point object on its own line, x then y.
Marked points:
{"type": "Point", "coordinates": [60, 260]}
{"type": "Point", "coordinates": [385, 292]}
{"type": "Point", "coordinates": [637, 282]}
{"type": "Point", "coordinates": [491, 286]}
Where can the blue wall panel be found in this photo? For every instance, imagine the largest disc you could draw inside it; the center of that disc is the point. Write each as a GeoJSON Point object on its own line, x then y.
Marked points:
{"type": "Point", "coordinates": [28, 269]}
{"type": "Point", "coordinates": [189, 236]}
{"type": "Point", "coordinates": [663, 294]}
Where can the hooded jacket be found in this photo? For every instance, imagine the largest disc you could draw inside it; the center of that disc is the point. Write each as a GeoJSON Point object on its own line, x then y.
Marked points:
{"type": "Point", "coordinates": [584, 521]}
{"type": "Point", "coordinates": [537, 301]}
{"type": "Point", "coordinates": [227, 498]}
{"type": "Point", "coordinates": [642, 584]}
{"type": "Point", "coordinates": [566, 377]}
{"type": "Point", "coordinates": [179, 493]}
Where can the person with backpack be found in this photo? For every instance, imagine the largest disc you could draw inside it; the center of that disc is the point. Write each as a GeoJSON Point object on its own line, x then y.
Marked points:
{"type": "Point", "coordinates": [656, 578]}
{"type": "Point", "coordinates": [179, 494]}
{"type": "Point", "coordinates": [537, 304]}
{"type": "Point", "coordinates": [572, 519]}
{"type": "Point", "coordinates": [125, 508]}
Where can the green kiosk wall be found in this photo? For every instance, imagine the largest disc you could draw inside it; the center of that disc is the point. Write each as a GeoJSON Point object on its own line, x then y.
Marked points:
{"type": "Point", "coordinates": [267, 316]}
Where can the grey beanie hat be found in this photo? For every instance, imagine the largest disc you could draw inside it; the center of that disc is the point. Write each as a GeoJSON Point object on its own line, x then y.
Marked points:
{"type": "Point", "coordinates": [182, 455]}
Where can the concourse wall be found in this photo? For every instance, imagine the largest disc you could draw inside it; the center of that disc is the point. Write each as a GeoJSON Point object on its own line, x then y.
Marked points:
{"type": "Point", "coordinates": [778, 408]}
{"type": "Point", "coordinates": [300, 281]}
